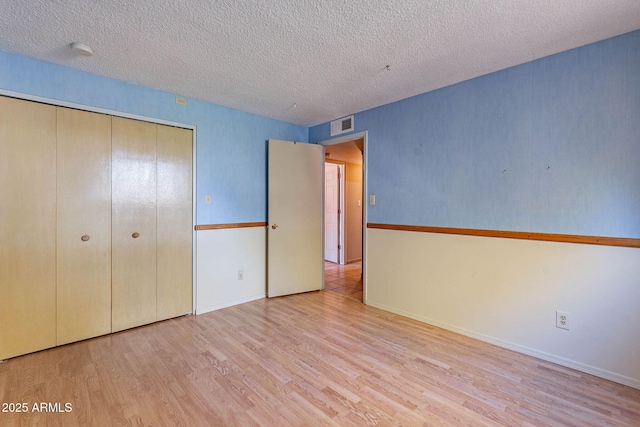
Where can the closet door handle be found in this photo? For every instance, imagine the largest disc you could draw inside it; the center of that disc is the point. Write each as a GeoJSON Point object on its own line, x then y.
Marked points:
{"type": "Point", "coordinates": [135, 235]}
{"type": "Point", "coordinates": [85, 238]}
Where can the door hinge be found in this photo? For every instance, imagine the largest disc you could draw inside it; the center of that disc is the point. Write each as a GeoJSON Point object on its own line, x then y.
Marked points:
{"type": "Point", "coordinates": [339, 247]}
{"type": "Point", "coordinates": [339, 211]}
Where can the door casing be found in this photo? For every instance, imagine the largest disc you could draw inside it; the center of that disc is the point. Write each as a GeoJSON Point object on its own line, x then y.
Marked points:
{"type": "Point", "coordinates": [338, 199]}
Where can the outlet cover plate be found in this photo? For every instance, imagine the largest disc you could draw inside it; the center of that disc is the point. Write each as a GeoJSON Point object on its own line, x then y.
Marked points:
{"type": "Point", "coordinates": [563, 320]}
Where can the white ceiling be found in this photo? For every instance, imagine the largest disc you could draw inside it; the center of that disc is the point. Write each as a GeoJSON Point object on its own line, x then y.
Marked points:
{"type": "Point", "coordinates": [326, 57]}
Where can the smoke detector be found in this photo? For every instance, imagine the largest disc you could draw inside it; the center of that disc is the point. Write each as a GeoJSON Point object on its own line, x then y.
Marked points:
{"type": "Point", "coordinates": [81, 49]}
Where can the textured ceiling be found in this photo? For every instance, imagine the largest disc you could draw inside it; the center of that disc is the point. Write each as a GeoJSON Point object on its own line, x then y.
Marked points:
{"type": "Point", "coordinates": [326, 57]}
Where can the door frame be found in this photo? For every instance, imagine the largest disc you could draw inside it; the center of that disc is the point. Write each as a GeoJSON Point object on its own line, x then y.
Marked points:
{"type": "Point", "coordinates": [94, 109]}
{"type": "Point", "coordinates": [365, 205]}
{"type": "Point", "coordinates": [340, 204]}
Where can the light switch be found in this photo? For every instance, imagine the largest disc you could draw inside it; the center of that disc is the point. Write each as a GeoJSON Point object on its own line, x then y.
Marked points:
{"type": "Point", "coordinates": [207, 199]}
{"type": "Point", "coordinates": [372, 199]}
{"type": "Point", "coordinates": [358, 202]}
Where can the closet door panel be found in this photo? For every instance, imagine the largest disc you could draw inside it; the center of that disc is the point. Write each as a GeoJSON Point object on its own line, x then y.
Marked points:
{"type": "Point", "coordinates": [133, 223]}
{"type": "Point", "coordinates": [84, 225]}
{"type": "Point", "coordinates": [175, 222]}
{"type": "Point", "coordinates": [27, 227]}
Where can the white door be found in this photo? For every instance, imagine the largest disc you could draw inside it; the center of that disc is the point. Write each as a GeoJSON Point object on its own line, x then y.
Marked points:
{"type": "Point", "coordinates": [331, 220]}
{"type": "Point", "coordinates": [295, 261]}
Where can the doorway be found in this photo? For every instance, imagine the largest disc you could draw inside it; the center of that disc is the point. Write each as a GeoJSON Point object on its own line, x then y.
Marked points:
{"type": "Point", "coordinates": [345, 274]}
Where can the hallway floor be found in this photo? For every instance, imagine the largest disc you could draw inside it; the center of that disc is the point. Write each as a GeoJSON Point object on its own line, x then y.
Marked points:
{"type": "Point", "coordinates": [344, 279]}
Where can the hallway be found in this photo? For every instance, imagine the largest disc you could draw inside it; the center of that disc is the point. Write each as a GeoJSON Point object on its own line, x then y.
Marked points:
{"type": "Point", "coordinates": [344, 279]}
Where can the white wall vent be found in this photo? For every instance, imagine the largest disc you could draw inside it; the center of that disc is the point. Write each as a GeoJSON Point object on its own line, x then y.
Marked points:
{"type": "Point", "coordinates": [343, 125]}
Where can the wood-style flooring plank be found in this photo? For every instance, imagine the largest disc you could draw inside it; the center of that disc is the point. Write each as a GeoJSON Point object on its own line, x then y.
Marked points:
{"type": "Point", "coordinates": [320, 358]}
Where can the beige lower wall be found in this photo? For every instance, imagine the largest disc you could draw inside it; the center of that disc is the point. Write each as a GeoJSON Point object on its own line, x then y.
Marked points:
{"type": "Point", "coordinates": [507, 291]}
{"type": "Point", "coordinates": [219, 256]}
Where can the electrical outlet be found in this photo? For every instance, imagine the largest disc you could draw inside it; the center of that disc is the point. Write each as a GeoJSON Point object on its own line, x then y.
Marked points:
{"type": "Point", "coordinates": [207, 199]}
{"type": "Point", "coordinates": [240, 274]}
{"type": "Point", "coordinates": [563, 320]}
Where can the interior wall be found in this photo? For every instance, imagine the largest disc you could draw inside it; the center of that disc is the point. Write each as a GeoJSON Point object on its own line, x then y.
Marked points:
{"type": "Point", "coordinates": [507, 291]}
{"type": "Point", "coordinates": [549, 146]}
{"type": "Point", "coordinates": [353, 209]}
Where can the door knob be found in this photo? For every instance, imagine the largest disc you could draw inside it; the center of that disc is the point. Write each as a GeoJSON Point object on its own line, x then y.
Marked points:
{"type": "Point", "coordinates": [135, 235]}
{"type": "Point", "coordinates": [274, 226]}
{"type": "Point", "coordinates": [85, 238]}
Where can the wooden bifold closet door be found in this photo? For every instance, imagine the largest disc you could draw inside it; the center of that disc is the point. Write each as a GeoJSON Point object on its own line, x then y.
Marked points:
{"type": "Point", "coordinates": [133, 287]}
{"type": "Point", "coordinates": [151, 217]}
{"type": "Point", "coordinates": [96, 224]}
{"type": "Point", "coordinates": [27, 227]}
{"type": "Point", "coordinates": [84, 225]}
{"type": "Point", "coordinates": [174, 222]}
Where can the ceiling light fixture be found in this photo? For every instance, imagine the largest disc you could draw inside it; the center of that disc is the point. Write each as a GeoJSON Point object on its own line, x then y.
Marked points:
{"type": "Point", "coordinates": [81, 49]}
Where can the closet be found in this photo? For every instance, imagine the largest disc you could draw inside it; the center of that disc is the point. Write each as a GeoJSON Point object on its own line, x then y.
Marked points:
{"type": "Point", "coordinates": [95, 224]}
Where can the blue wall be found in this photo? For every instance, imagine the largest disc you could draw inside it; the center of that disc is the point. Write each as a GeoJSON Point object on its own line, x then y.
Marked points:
{"type": "Point", "coordinates": [549, 146]}
{"type": "Point", "coordinates": [231, 150]}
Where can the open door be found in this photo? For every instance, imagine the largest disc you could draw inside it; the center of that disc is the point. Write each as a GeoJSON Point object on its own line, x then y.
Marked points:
{"type": "Point", "coordinates": [295, 258]}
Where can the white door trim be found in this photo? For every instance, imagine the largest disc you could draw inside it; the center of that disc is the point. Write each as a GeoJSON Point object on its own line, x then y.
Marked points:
{"type": "Point", "coordinates": [331, 208]}
{"type": "Point", "coordinates": [341, 200]}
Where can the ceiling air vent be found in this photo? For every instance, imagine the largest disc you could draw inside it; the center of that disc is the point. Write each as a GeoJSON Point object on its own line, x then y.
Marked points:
{"type": "Point", "coordinates": [342, 126]}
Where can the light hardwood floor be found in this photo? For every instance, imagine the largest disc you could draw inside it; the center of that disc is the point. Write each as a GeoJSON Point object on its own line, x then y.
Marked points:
{"type": "Point", "coordinates": [344, 279]}
{"type": "Point", "coordinates": [318, 358]}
